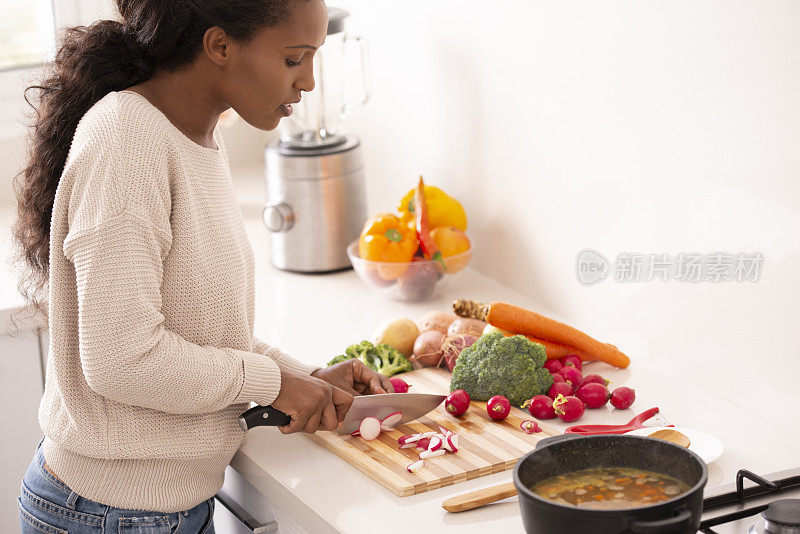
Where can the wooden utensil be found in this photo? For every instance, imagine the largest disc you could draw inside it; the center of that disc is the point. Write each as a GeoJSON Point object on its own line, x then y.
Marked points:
{"type": "Point", "coordinates": [668, 434]}
{"type": "Point", "coordinates": [481, 497]}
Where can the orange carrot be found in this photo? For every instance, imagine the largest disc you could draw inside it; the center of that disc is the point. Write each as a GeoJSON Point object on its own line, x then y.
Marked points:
{"type": "Point", "coordinates": [555, 350]}
{"type": "Point", "coordinates": [515, 319]}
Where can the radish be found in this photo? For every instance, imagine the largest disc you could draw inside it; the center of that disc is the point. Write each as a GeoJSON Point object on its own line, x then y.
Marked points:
{"type": "Point", "coordinates": [594, 379]}
{"type": "Point", "coordinates": [568, 408]}
{"type": "Point", "coordinates": [572, 361]}
{"type": "Point", "coordinates": [457, 403]}
{"type": "Point", "coordinates": [400, 385]}
{"type": "Point", "coordinates": [622, 398]}
{"type": "Point", "coordinates": [557, 378]}
{"type": "Point", "coordinates": [428, 434]}
{"type": "Point", "coordinates": [408, 438]}
{"type": "Point", "coordinates": [391, 420]}
{"type": "Point", "coordinates": [408, 446]}
{"type": "Point", "coordinates": [530, 427]}
{"type": "Point", "coordinates": [498, 407]}
{"type": "Point", "coordinates": [573, 375]}
{"type": "Point", "coordinates": [355, 433]}
{"type": "Point", "coordinates": [559, 388]}
{"type": "Point", "coordinates": [593, 395]}
{"type": "Point", "coordinates": [385, 428]}
{"type": "Point", "coordinates": [452, 442]}
{"type": "Point", "coordinates": [432, 454]}
{"type": "Point", "coordinates": [435, 444]}
{"type": "Point", "coordinates": [541, 407]}
{"type": "Point", "coordinates": [424, 443]}
{"type": "Point", "coordinates": [443, 431]}
{"type": "Point", "coordinates": [370, 428]}
{"type": "Point", "coordinates": [416, 466]}
{"type": "Point", "coordinates": [553, 366]}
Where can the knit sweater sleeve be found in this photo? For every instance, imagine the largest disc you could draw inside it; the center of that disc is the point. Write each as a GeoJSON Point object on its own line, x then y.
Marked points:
{"type": "Point", "coordinates": [283, 360]}
{"type": "Point", "coordinates": [119, 236]}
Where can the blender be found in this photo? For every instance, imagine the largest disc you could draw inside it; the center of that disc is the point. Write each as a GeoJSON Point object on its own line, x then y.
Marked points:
{"type": "Point", "coordinates": [316, 199]}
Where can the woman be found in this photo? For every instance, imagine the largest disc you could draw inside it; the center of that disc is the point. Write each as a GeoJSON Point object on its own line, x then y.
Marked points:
{"type": "Point", "coordinates": [128, 216]}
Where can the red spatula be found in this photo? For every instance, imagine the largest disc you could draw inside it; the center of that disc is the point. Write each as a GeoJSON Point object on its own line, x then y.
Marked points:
{"type": "Point", "coordinates": [633, 424]}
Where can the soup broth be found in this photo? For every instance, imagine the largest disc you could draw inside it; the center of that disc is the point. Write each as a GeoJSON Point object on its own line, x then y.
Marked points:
{"type": "Point", "coordinates": [610, 488]}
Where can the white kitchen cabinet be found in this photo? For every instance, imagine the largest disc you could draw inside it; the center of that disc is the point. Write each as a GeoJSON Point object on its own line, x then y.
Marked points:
{"type": "Point", "coordinates": [20, 393]}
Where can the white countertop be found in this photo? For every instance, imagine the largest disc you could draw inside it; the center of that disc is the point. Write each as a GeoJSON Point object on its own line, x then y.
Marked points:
{"type": "Point", "coordinates": [315, 317]}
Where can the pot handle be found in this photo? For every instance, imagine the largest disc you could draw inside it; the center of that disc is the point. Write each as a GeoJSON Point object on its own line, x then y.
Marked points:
{"type": "Point", "coordinates": [663, 525]}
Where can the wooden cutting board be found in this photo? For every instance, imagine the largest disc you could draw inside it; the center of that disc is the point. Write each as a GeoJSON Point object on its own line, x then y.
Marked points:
{"type": "Point", "coordinates": [485, 446]}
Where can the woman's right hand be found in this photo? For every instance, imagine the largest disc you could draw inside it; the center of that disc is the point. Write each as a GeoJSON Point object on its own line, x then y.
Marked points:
{"type": "Point", "coordinates": [313, 404]}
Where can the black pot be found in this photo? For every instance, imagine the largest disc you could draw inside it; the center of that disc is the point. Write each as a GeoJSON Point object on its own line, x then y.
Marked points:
{"type": "Point", "coordinates": [563, 454]}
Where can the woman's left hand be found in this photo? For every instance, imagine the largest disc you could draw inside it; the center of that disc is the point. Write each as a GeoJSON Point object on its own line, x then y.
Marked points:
{"type": "Point", "coordinates": [355, 378]}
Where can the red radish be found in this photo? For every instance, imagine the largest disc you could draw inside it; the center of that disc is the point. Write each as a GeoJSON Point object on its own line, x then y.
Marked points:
{"type": "Point", "coordinates": [424, 443]}
{"type": "Point", "coordinates": [560, 388]}
{"type": "Point", "coordinates": [557, 378]}
{"type": "Point", "coordinates": [416, 466]}
{"type": "Point", "coordinates": [593, 395]}
{"type": "Point", "coordinates": [452, 442]}
{"type": "Point", "coordinates": [408, 446]}
{"type": "Point", "coordinates": [385, 428]}
{"type": "Point", "coordinates": [400, 385]}
{"type": "Point", "coordinates": [443, 431]}
{"type": "Point", "coordinates": [541, 407]}
{"type": "Point", "coordinates": [409, 438]}
{"type": "Point", "coordinates": [553, 366]}
{"type": "Point", "coordinates": [370, 428]}
{"type": "Point", "coordinates": [392, 419]}
{"type": "Point", "coordinates": [498, 407]}
{"type": "Point", "coordinates": [622, 398]}
{"type": "Point", "coordinates": [432, 454]}
{"type": "Point", "coordinates": [457, 403]}
{"type": "Point", "coordinates": [428, 434]}
{"type": "Point", "coordinates": [355, 433]}
{"type": "Point", "coordinates": [530, 427]}
{"type": "Point", "coordinates": [435, 444]}
{"type": "Point", "coordinates": [594, 379]}
{"type": "Point", "coordinates": [568, 408]}
{"type": "Point", "coordinates": [572, 374]}
{"type": "Point", "coordinates": [572, 360]}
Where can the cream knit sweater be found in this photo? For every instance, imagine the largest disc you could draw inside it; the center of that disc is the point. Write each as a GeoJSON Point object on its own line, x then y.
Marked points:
{"type": "Point", "coordinates": [152, 354]}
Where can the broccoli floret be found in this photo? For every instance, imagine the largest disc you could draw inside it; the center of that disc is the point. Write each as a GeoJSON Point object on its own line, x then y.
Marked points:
{"type": "Point", "coordinates": [381, 358]}
{"type": "Point", "coordinates": [500, 365]}
{"type": "Point", "coordinates": [392, 360]}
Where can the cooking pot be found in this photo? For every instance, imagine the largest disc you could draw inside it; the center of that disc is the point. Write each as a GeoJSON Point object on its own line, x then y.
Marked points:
{"type": "Point", "coordinates": [564, 454]}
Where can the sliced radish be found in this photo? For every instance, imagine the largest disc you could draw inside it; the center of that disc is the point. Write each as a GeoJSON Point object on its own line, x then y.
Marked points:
{"type": "Point", "coordinates": [416, 466]}
{"type": "Point", "coordinates": [428, 434]}
{"type": "Point", "coordinates": [408, 446]}
{"type": "Point", "coordinates": [444, 431]}
{"type": "Point", "coordinates": [392, 419]}
{"type": "Point", "coordinates": [435, 443]}
{"type": "Point", "coordinates": [355, 433]}
{"type": "Point", "coordinates": [408, 438]}
{"type": "Point", "coordinates": [370, 428]}
{"type": "Point", "coordinates": [387, 428]}
{"type": "Point", "coordinates": [452, 442]}
{"type": "Point", "coordinates": [424, 443]}
{"type": "Point", "coordinates": [432, 454]}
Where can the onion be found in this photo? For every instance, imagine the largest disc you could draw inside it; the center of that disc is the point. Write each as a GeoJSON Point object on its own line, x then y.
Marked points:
{"type": "Point", "coordinates": [453, 345]}
{"type": "Point", "coordinates": [427, 349]}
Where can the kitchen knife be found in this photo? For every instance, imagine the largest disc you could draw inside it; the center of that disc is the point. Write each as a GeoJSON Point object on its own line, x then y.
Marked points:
{"type": "Point", "coordinates": [411, 405]}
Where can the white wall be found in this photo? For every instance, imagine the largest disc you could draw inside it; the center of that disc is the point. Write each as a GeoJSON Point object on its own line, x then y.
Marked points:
{"type": "Point", "coordinates": [647, 127]}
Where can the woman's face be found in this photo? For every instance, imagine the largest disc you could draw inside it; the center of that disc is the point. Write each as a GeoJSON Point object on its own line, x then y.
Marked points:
{"type": "Point", "coordinates": [267, 74]}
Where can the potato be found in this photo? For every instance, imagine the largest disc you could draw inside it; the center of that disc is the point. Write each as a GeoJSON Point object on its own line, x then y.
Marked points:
{"type": "Point", "coordinates": [491, 328]}
{"type": "Point", "coordinates": [398, 333]}
{"type": "Point", "coordinates": [436, 320]}
{"type": "Point", "coordinates": [463, 325]}
{"type": "Point", "coordinates": [427, 349]}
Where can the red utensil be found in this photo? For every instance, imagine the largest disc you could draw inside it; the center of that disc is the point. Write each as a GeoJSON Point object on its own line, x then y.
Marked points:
{"type": "Point", "coordinates": [633, 424]}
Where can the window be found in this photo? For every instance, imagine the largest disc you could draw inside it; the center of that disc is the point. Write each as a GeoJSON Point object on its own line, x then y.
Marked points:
{"type": "Point", "coordinates": [27, 33]}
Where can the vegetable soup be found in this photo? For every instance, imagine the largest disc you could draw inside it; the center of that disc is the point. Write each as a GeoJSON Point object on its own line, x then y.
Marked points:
{"type": "Point", "coordinates": [610, 488]}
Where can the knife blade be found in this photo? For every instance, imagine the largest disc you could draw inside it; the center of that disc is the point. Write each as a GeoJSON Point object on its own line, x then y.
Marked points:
{"type": "Point", "coordinates": [411, 405]}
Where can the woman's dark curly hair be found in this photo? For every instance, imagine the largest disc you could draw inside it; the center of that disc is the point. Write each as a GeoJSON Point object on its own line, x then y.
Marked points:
{"type": "Point", "coordinates": [91, 62]}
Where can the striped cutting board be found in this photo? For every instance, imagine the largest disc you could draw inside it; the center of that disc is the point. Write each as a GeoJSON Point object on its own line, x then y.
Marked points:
{"type": "Point", "coordinates": [485, 446]}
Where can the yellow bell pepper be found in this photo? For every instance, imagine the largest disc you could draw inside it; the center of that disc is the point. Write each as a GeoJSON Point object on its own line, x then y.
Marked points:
{"type": "Point", "coordinates": [443, 210]}
{"type": "Point", "coordinates": [385, 238]}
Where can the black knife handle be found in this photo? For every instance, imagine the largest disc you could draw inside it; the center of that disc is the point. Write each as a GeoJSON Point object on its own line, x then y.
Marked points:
{"type": "Point", "coordinates": [263, 416]}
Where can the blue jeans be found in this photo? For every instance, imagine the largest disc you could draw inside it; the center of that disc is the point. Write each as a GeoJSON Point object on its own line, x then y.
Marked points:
{"type": "Point", "coordinates": [47, 505]}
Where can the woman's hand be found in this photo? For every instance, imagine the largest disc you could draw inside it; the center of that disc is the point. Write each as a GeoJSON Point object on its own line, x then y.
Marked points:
{"type": "Point", "coordinates": [313, 404]}
{"type": "Point", "coordinates": [355, 378]}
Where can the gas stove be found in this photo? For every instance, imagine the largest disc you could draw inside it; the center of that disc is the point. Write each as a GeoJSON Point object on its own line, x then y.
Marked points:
{"type": "Point", "coordinates": [754, 505]}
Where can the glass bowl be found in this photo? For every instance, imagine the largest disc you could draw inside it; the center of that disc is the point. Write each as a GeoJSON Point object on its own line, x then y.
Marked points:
{"type": "Point", "coordinates": [413, 281]}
